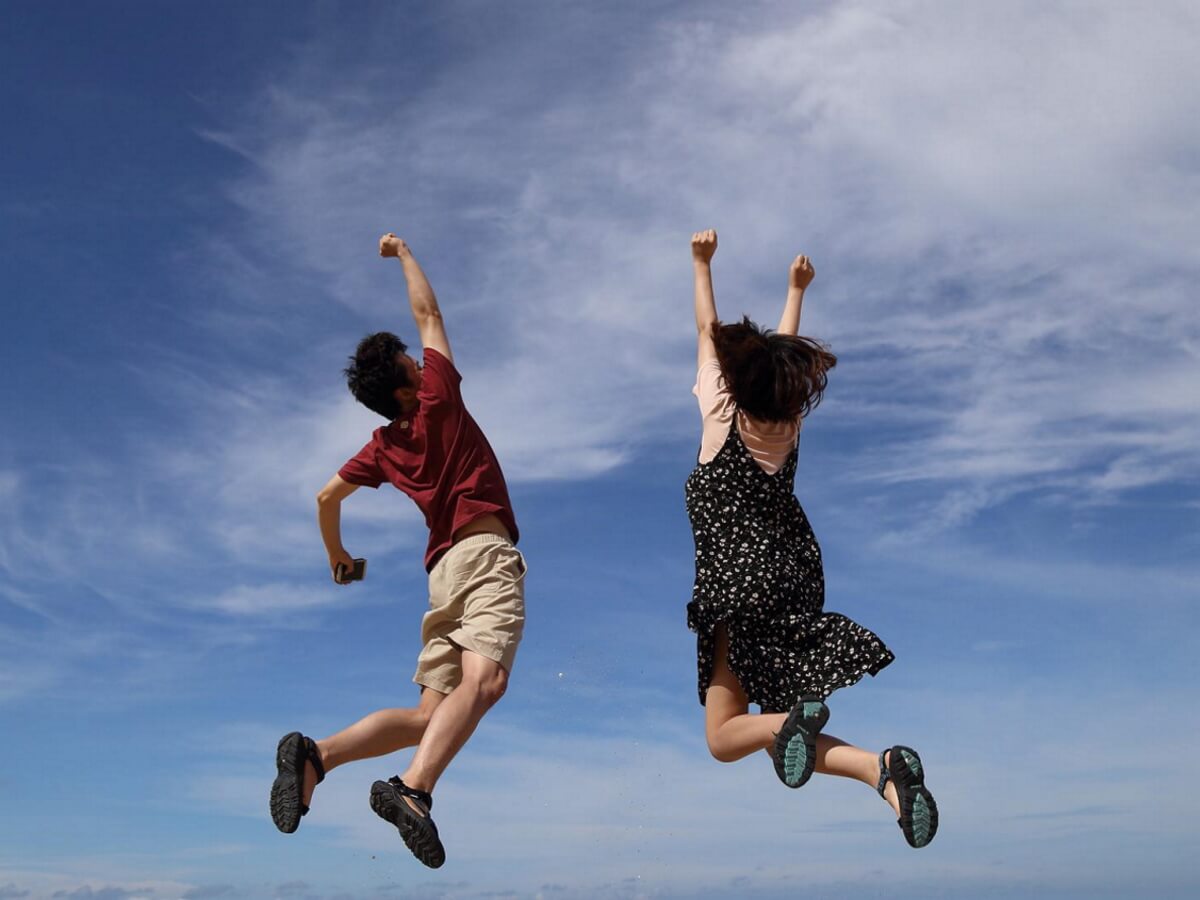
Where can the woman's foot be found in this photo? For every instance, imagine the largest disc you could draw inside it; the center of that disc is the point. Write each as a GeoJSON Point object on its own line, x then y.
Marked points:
{"type": "Point", "coordinates": [902, 785]}
{"type": "Point", "coordinates": [795, 751]}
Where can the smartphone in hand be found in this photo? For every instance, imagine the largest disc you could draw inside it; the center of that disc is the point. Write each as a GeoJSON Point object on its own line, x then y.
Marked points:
{"type": "Point", "coordinates": [344, 576]}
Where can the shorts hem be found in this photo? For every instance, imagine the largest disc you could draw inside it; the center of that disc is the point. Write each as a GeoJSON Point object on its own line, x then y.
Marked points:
{"type": "Point", "coordinates": [502, 656]}
{"type": "Point", "coordinates": [434, 684]}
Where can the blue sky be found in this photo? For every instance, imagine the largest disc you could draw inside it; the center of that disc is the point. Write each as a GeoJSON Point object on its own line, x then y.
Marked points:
{"type": "Point", "coordinates": [1001, 204]}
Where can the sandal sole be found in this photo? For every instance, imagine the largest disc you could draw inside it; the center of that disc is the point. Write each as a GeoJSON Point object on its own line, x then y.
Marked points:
{"type": "Point", "coordinates": [286, 807]}
{"type": "Point", "coordinates": [917, 806]}
{"type": "Point", "coordinates": [418, 833]}
{"type": "Point", "coordinates": [795, 753]}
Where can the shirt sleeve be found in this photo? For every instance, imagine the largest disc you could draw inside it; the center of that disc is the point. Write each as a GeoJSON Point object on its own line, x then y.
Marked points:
{"type": "Point", "coordinates": [711, 392]}
{"type": "Point", "coordinates": [440, 381]}
{"type": "Point", "coordinates": [363, 468]}
{"type": "Point", "coordinates": [716, 408]}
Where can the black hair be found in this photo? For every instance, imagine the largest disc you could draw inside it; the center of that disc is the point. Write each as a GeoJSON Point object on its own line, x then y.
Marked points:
{"type": "Point", "coordinates": [771, 376]}
{"type": "Point", "coordinates": [374, 373]}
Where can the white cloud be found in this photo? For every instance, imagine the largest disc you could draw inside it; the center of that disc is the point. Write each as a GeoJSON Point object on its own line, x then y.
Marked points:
{"type": "Point", "coordinates": [271, 599]}
{"type": "Point", "coordinates": [1005, 258]}
{"type": "Point", "coordinates": [1004, 224]}
{"type": "Point", "coordinates": [638, 798]}
{"type": "Point", "coordinates": [1005, 261]}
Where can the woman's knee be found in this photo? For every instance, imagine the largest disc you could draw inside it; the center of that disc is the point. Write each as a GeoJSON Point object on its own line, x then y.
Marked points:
{"type": "Point", "coordinates": [720, 752]}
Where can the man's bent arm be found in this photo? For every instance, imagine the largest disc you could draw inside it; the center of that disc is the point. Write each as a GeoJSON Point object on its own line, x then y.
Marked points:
{"type": "Point", "coordinates": [329, 518]}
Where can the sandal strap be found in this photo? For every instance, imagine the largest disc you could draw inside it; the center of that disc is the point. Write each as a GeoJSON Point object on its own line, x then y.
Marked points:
{"type": "Point", "coordinates": [423, 796]}
{"type": "Point", "coordinates": [884, 773]}
{"type": "Point", "coordinates": [314, 757]}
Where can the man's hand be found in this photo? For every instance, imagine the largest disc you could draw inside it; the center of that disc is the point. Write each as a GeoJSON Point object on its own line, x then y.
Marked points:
{"type": "Point", "coordinates": [704, 245]}
{"type": "Point", "coordinates": [340, 558]}
{"type": "Point", "coordinates": [390, 245]}
{"type": "Point", "coordinates": [801, 274]}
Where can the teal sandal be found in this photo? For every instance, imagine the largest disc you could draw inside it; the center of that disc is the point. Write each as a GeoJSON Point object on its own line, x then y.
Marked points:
{"type": "Point", "coordinates": [918, 810]}
{"type": "Point", "coordinates": [795, 752]}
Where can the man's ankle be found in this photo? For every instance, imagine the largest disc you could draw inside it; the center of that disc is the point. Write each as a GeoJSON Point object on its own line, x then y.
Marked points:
{"type": "Point", "coordinates": [416, 782]}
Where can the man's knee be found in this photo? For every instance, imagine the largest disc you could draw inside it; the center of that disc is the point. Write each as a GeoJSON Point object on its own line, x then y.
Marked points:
{"type": "Point", "coordinates": [424, 714]}
{"type": "Point", "coordinates": [492, 688]}
{"type": "Point", "coordinates": [430, 700]}
{"type": "Point", "coordinates": [488, 682]}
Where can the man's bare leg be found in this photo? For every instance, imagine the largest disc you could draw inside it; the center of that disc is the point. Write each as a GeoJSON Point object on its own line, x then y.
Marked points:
{"type": "Point", "coordinates": [455, 719]}
{"type": "Point", "coordinates": [377, 734]}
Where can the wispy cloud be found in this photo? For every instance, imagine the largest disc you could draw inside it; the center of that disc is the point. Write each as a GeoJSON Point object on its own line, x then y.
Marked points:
{"type": "Point", "coordinates": [1004, 257]}
{"type": "Point", "coordinates": [640, 800]}
{"type": "Point", "coordinates": [1005, 229]}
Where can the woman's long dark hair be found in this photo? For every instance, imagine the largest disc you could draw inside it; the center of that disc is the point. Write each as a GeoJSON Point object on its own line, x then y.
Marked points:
{"type": "Point", "coordinates": [773, 377]}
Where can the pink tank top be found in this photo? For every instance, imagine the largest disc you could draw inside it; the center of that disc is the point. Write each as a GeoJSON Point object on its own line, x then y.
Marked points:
{"type": "Point", "coordinates": [768, 442]}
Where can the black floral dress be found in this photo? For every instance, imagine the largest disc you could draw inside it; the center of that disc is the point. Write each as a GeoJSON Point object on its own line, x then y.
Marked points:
{"type": "Point", "coordinates": [758, 571]}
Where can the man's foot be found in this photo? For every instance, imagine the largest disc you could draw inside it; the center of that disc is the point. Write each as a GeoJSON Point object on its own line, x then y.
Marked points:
{"type": "Point", "coordinates": [911, 800]}
{"type": "Point", "coordinates": [293, 757]}
{"type": "Point", "coordinates": [795, 752]}
{"type": "Point", "coordinates": [408, 809]}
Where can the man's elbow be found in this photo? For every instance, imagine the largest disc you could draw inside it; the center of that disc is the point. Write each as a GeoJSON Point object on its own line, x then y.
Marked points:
{"type": "Point", "coordinates": [428, 317]}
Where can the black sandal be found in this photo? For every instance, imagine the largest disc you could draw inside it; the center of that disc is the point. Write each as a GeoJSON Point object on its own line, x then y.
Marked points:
{"type": "Point", "coordinates": [918, 810]}
{"type": "Point", "coordinates": [286, 804]}
{"type": "Point", "coordinates": [418, 831]}
{"type": "Point", "coordinates": [795, 752]}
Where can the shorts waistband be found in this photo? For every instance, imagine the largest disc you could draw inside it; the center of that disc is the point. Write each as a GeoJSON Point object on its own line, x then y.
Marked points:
{"type": "Point", "coordinates": [483, 537]}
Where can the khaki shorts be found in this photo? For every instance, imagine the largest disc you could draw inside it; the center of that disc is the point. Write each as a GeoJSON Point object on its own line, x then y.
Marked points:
{"type": "Point", "coordinates": [476, 603]}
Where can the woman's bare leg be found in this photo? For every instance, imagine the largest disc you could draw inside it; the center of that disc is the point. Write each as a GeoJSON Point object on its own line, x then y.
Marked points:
{"type": "Point", "coordinates": [734, 732]}
{"type": "Point", "coordinates": [378, 734]}
{"type": "Point", "coordinates": [836, 757]}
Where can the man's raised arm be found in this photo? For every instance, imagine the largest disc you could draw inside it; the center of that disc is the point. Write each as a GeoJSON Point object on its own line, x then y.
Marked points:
{"type": "Point", "coordinates": [421, 298]}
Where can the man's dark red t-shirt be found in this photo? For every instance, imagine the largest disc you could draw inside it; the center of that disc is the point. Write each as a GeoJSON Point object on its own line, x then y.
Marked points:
{"type": "Point", "coordinates": [437, 454]}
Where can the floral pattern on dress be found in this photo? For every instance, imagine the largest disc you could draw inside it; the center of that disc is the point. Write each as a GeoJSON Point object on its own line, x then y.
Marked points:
{"type": "Point", "coordinates": [758, 572]}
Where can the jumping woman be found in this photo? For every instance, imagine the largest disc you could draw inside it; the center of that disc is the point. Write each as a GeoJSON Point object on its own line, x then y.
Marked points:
{"type": "Point", "coordinates": [762, 633]}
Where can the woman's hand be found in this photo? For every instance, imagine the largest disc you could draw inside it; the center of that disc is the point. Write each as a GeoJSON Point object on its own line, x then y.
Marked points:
{"type": "Point", "coordinates": [801, 274]}
{"type": "Point", "coordinates": [704, 245]}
